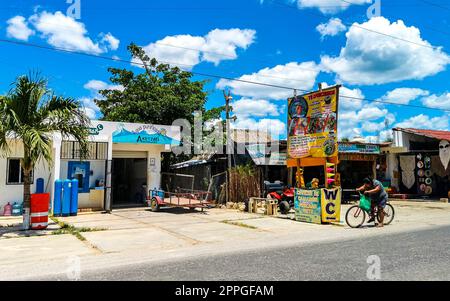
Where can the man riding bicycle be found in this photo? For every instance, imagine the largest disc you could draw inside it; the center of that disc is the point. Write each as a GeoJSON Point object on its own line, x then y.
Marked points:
{"type": "Point", "coordinates": [375, 190]}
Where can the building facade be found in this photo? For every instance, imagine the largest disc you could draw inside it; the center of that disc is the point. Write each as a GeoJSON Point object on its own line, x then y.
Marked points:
{"type": "Point", "coordinates": [123, 163]}
{"type": "Point", "coordinates": [419, 163]}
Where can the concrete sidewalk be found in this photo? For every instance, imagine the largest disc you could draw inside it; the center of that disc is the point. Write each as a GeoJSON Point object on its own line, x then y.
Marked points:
{"type": "Point", "coordinates": [138, 235]}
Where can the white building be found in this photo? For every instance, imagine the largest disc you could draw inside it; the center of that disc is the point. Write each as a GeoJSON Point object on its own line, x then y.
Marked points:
{"type": "Point", "coordinates": [124, 162]}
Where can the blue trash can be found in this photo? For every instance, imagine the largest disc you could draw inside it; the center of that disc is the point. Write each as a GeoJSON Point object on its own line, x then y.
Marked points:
{"type": "Point", "coordinates": [74, 198]}
{"type": "Point", "coordinates": [67, 193]}
{"type": "Point", "coordinates": [57, 202]}
{"type": "Point", "coordinates": [40, 185]}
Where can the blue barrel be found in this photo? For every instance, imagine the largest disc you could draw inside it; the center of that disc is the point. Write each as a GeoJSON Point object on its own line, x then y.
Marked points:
{"type": "Point", "coordinates": [57, 198]}
{"type": "Point", "coordinates": [40, 185]}
{"type": "Point", "coordinates": [74, 198]}
{"type": "Point", "coordinates": [67, 192]}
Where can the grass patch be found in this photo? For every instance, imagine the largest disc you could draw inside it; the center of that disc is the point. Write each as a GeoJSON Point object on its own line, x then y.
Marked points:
{"type": "Point", "coordinates": [69, 229]}
{"type": "Point", "coordinates": [239, 224]}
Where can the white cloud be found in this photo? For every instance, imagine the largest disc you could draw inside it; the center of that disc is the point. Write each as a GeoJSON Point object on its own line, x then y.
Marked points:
{"type": "Point", "coordinates": [90, 108]}
{"type": "Point", "coordinates": [350, 99]}
{"type": "Point", "coordinates": [18, 28]}
{"type": "Point", "coordinates": [246, 107]}
{"type": "Point", "coordinates": [403, 95]}
{"type": "Point", "coordinates": [298, 75]}
{"type": "Point", "coordinates": [96, 85]}
{"type": "Point", "coordinates": [110, 41]}
{"type": "Point", "coordinates": [187, 51]}
{"type": "Point", "coordinates": [438, 101]}
{"type": "Point", "coordinates": [369, 119]}
{"type": "Point", "coordinates": [225, 42]}
{"type": "Point", "coordinates": [65, 32]}
{"type": "Point", "coordinates": [276, 127]}
{"type": "Point", "coordinates": [423, 121]}
{"type": "Point", "coordinates": [183, 56]}
{"type": "Point", "coordinates": [370, 58]}
{"type": "Point", "coordinates": [368, 113]}
{"type": "Point", "coordinates": [332, 28]}
{"type": "Point", "coordinates": [330, 6]}
{"type": "Point", "coordinates": [372, 127]}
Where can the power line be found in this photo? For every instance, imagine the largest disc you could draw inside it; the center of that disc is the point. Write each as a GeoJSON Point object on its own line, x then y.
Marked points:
{"type": "Point", "coordinates": [199, 50]}
{"type": "Point", "coordinates": [68, 51]}
{"type": "Point", "coordinates": [364, 28]}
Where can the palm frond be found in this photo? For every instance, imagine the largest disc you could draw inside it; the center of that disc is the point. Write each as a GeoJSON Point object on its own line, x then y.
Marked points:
{"type": "Point", "coordinates": [65, 115]}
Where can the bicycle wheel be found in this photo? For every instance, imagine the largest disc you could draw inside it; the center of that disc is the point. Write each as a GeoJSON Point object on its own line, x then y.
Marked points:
{"type": "Point", "coordinates": [389, 214]}
{"type": "Point", "coordinates": [355, 217]}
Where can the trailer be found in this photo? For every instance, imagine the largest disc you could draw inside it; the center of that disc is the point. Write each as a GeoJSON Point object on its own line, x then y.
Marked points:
{"type": "Point", "coordinates": [182, 198]}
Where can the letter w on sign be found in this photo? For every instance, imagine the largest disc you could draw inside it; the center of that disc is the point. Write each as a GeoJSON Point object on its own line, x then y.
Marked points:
{"type": "Point", "coordinates": [331, 194]}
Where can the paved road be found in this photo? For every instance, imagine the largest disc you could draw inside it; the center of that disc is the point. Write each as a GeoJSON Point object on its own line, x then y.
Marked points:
{"type": "Point", "coordinates": [421, 255]}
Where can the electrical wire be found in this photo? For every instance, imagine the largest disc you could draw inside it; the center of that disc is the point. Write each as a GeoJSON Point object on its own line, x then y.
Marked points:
{"type": "Point", "coordinates": [69, 51]}
{"type": "Point", "coordinates": [364, 28]}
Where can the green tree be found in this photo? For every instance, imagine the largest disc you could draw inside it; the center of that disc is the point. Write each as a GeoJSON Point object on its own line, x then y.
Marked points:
{"type": "Point", "coordinates": [160, 94]}
{"type": "Point", "coordinates": [31, 113]}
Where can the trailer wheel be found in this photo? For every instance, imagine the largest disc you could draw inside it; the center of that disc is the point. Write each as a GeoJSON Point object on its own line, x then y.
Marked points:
{"type": "Point", "coordinates": [154, 205]}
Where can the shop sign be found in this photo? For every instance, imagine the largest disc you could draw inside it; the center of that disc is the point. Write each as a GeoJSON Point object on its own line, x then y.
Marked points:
{"type": "Point", "coordinates": [142, 134]}
{"type": "Point", "coordinates": [331, 205]}
{"type": "Point", "coordinates": [307, 206]}
{"type": "Point", "coordinates": [312, 124]}
{"type": "Point", "coordinates": [359, 148]}
{"type": "Point", "coordinates": [262, 155]}
{"type": "Point", "coordinates": [278, 159]}
{"type": "Point", "coordinates": [95, 131]}
{"type": "Point", "coordinates": [356, 157]}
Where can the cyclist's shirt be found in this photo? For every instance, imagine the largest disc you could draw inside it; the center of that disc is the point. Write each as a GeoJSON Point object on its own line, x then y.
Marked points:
{"type": "Point", "coordinates": [381, 195]}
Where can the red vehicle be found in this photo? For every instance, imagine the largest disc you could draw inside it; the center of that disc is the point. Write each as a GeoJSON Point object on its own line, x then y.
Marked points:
{"type": "Point", "coordinates": [285, 198]}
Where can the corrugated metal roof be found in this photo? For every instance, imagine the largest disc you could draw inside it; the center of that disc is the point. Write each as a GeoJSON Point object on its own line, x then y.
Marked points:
{"type": "Point", "coordinates": [439, 135]}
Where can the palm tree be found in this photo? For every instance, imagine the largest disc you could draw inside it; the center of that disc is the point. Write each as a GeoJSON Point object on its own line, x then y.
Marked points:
{"type": "Point", "coordinates": [31, 113]}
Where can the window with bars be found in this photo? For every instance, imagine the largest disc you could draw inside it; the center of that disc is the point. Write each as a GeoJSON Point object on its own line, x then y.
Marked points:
{"type": "Point", "coordinates": [96, 150]}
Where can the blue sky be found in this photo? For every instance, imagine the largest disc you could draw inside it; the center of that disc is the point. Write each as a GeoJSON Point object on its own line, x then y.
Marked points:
{"type": "Point", "coordinates": [289, 43]}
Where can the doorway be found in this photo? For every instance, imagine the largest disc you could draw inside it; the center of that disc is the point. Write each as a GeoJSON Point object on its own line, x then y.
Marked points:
{"type": "Point", "coordinates": [129, 182]}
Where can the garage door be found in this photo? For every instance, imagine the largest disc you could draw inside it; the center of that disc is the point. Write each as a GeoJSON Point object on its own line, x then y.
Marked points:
{"type": "Point", "coordinates": [130, 154]}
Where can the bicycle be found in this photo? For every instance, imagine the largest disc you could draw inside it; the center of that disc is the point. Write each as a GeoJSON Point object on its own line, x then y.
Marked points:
{"type": "Point", "coordinates": [356, 216]}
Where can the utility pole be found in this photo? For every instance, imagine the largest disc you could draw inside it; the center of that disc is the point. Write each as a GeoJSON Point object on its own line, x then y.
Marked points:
{"type": "Point", "coordinates": [228, 98]}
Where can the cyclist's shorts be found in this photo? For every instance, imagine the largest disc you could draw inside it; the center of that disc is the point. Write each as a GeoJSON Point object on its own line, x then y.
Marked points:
{"type": "Point", "coordinates": [381, 202]}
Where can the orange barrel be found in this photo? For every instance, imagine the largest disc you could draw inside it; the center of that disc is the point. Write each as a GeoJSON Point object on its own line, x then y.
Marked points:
{"type": "Point", "coordinates": [39, 210]}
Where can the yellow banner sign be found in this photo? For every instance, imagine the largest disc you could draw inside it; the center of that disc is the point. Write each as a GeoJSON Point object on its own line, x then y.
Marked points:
{"type": "Point", "coordinates": [331, 205]}
{"type": "Point", "coordinates": [312, 124]}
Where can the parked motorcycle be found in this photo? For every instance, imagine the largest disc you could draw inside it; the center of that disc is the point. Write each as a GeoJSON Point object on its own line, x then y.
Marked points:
{"type": "Point", "coordinates": [285, 198]}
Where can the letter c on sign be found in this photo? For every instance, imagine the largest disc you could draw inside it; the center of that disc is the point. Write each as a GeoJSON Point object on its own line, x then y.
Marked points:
{"type": "Point", "coordinates": [330, 208]}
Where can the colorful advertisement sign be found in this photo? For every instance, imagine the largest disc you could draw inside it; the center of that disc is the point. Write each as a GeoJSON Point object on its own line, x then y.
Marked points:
{"type": "Point", "coordinates": [312, 124]}
{"type": "Point", "coordinates": [331, 205]}
{"type": "Point", "coordinates": [307, 206]}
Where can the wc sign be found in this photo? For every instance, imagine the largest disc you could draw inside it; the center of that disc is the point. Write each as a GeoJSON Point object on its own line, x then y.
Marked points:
{"type": "Point", "coordinates": [331, 205]}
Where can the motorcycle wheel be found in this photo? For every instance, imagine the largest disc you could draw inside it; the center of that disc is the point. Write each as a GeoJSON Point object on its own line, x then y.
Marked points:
{"type": "Point", "coordinates": [284, 207]}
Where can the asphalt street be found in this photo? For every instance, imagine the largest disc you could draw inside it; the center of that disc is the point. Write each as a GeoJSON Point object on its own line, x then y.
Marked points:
{"type": "Point", "coordinates": [419, 255]}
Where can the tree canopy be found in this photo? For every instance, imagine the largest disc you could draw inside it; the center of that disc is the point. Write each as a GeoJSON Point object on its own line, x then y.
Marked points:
{"type": "Point", "coordinates": [160, 94]}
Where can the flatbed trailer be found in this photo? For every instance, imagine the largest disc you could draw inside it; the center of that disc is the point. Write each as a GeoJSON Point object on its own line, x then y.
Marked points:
{"type": "Point", "coordinates": [183, 198]}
